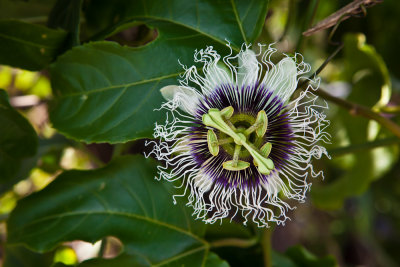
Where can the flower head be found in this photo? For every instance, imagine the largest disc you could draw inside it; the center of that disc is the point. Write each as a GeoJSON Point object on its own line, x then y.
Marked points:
{"type": "Point", "coordinates": [236, 140]}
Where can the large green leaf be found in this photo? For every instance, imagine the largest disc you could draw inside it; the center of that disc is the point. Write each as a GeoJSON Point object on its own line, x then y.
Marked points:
{"type": "Point", "coordinates": [234, 20]}
{"type": "Point", "coordinates": [18, 142]}
{"type": "Point", "coordinates": [121, 200]}
{"type": "Point", "coordinates": [29, 46]}
{"type": "Point", "coordinates": [108, 93]}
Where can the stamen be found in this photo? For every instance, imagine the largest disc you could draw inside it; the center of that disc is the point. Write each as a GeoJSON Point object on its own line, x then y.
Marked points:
{"type": "Point", "coordinates": [266, 149]}
{"type": "Point", "coordinates": [213, 144]}
{"type": "Point", "coordinates": [227, 112]}
{"type": "Point", "coordinates": [215, 119]}
{"type": "Point", "coordinates": [260, 126]}
{"type": "Point", "coordinates": [236, 164]}
{"type": "Point", "coordinates": [240, 165]}
{"type": "Point", "coordinates": [225, 141]}
{"type": "Point", "coordinates": [264, 165]}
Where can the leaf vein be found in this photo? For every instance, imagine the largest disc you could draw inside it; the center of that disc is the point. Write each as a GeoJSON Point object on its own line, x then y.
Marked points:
{"type": "Point", "coordinates": [239, 22]}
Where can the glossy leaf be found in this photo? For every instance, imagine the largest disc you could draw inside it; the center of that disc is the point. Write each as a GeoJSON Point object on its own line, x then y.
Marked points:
{"type": "Point", "coordinates": [121, 200]}
{"type": "Point", "coordinates": [233, 20]}
{"type": "Point", "coordinates": [108, 93]}
{"type": "Point", "coordinates": [18, 142]}
{"type": "Point", "coordinates": [29, 46]}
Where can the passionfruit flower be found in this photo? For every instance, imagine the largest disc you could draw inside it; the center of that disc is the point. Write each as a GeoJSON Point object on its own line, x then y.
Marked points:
{"type": "Point", "coordinates": [239, 137]}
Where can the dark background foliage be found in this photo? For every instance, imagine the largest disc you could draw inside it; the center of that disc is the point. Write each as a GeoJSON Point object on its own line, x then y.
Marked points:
{"type": "Point", "coordinates": [81, 79]}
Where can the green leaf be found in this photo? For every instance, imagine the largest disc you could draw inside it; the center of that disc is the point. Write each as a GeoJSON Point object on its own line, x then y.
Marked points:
{"type": "Point", "coordinates": [66, 15]}
{"type": "Point", "coordinates": [121, 200]}
{"type": "Point", "coordinates": [234, 20]}
{"type": "Point", "coordinates": [29, 46]}
{"type": "Point", "coordinates": [18, 142]}
{"type": "Point", "coordinates": [108, 93]}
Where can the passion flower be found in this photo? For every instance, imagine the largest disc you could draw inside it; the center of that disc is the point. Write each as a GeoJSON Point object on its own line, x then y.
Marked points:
{"type": "Point", "coordinates": [238, 136]}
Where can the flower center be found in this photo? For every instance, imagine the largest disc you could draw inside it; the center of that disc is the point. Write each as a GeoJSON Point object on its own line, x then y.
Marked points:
{"type": "Point", "coordinates": [241, 136]}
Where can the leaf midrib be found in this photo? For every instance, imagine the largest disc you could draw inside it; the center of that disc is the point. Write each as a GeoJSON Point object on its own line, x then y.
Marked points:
{"type": "Point", "coordinates": [98, 90]}
{"type": "Point", "coordinates": [238, 21]}
{"type": "Point", "coordinates": [116, 213]}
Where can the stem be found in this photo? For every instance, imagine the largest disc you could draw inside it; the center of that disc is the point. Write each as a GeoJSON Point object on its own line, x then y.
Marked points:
{"type": "Point", "coordinates": [266, 245]}
{"type": "Point", "coordinates": [365, 146]}
{"type": "Point", "coordinates": [359, 110]}
{"type": "Point", "coordinates": [234, 242]}
{"type": "Point", "coordinates": [337, 50]}
{"type": "Point", "coordinates": [323, 65]}
{"type": "Point", "coordinates": [390, 109]}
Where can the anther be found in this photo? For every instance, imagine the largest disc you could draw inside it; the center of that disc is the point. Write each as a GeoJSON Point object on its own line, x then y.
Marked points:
{"type": "Point", "coordinates": [266, 149]}
{"type": "Point", "coordinates": [227, 112]}
{"type": "Point", "coordinates": [212, 142]}
{"type": "Point", "coordinates": [236, 164]}
{"type": "Point", "coordinates": [260, 125]}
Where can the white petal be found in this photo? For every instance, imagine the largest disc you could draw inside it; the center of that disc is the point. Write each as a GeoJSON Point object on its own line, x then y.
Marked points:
{"type": "Point", "coordinates": [248, 68]}
{"type": "Point", "coordinates": [187, 98]}
{"type": "Point", "coordinates": [282, 78]}
{"type": "Point", "coordinates": [216, 74]}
